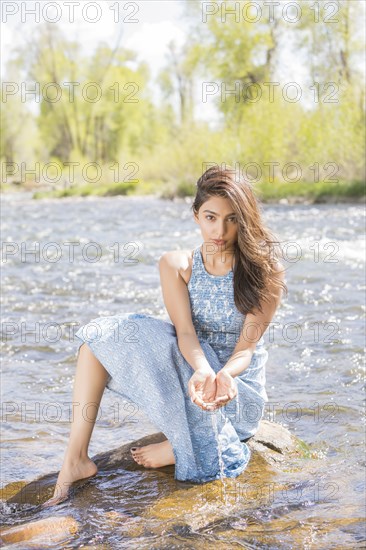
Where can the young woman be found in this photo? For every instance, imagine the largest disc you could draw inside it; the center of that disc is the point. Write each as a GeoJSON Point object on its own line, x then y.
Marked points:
{"type": "Point", "coordinates": [185, 375]}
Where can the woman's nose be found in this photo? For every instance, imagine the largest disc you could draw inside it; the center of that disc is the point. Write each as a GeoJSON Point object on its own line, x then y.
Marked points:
{"type": "Point", "coordinates": [222, 230]}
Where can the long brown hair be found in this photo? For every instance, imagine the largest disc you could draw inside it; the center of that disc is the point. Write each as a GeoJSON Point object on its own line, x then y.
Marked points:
{"type": "Point", "coordinates": [256, 252]}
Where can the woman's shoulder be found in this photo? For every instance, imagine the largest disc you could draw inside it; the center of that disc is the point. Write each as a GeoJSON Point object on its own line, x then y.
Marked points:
{"type": "Point", "coordinates": [180, 260]}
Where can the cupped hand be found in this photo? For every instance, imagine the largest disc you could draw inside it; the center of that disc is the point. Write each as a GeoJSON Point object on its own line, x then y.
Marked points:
{"type": "Point", "coordinates": [226, 388]}
{"type": "Point", "coordinates": [211, 391]}
{"type": "Point", "coordinates": [202, 387]}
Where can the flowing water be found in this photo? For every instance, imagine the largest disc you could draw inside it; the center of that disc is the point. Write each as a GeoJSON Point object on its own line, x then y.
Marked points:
{"type": "Point", "coordinates": [98, 256]}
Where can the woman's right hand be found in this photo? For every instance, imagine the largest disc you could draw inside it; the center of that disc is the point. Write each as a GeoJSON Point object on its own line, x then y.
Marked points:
{"type": "Point", "coordinates": [202, 387]}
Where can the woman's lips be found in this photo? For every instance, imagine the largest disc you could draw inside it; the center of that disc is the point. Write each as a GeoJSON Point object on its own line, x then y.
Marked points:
{"type": "Point", "coordinates": [218, 242]}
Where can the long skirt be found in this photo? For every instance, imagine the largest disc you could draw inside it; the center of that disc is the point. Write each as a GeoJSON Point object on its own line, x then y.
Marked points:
{"type": "Point", "coordinates": [146, 366]}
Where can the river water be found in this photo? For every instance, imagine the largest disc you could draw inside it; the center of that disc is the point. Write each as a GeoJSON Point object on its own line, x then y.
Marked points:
{"type": "Point", "coordinates": [98, 256]}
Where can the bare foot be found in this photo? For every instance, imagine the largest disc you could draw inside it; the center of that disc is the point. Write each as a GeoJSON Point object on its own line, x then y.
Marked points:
{"type": "Point", "coordinates": [69, 474]}
{"type": "Point", "coordinates": [155, 455]}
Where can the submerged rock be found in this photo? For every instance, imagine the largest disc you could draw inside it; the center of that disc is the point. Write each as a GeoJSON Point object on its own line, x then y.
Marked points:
{"type": "Point", "coordinates": [175, 504]}
{"type": "Point", "coordinates": [272, 443]}
{"type": "Point", "coordinates": [54, 529]}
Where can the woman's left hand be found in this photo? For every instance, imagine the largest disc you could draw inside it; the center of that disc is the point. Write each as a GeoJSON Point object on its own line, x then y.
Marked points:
{"type": "Point", "coordinates": [226, 388]}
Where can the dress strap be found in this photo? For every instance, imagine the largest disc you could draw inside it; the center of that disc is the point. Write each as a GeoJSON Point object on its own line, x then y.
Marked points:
{"type": "Point", "coordinates": [197, 268]}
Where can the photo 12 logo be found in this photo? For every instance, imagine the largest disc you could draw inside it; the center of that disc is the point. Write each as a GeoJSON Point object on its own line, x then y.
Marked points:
{"type": "Point", "coordinates": [53, 92]}
{"type": "Point", "coordinates": [71, 12]}
{"type": "Point", "coordinates": [70, 251]}
{"type": "Point", "coordinates": [291, 92]}
{"type": "Point", "coordinates": [54, 172]}
{"type": "Point", "coordinates": [255, 12]}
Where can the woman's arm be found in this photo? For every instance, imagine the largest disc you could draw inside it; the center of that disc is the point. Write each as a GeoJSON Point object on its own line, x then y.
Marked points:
{"type": "Point", "coordinates": [253, 328]}
{"type": "Point", "coordinates": [176, 299]}
{"type": "Point", "coordinates": [192, 352]}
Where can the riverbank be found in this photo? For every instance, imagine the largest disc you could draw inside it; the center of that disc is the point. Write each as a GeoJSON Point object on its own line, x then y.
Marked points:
{"type": "Point", "coordinates": [268, 193]}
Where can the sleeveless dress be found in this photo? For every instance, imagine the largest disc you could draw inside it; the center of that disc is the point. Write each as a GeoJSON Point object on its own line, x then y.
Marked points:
{"type": "Point", "coordinates": [145, 366]}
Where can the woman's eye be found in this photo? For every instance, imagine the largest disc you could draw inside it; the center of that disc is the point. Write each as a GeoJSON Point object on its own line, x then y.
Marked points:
{"type": "Point", "coordinates": [210, 217]}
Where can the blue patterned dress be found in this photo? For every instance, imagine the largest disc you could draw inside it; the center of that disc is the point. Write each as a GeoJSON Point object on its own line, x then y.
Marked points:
{"type": "Point", "coordinates": [145, 366]}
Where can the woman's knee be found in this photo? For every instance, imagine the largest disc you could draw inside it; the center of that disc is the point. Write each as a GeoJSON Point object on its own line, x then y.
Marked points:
{"type": "Point", "coordinates": [86, 352]}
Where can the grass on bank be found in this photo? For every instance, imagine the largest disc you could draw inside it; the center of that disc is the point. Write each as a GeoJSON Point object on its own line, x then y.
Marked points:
{"type": "Point", "coordinates": [320, 191]}
{"type": "Point", "coordinates": [123, 188]}
{"type": "Point", "coordinates": [315, 192]}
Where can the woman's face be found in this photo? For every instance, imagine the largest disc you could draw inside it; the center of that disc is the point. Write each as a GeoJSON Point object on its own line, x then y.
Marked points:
{"type": "Point", "coordinates": [217, 221]}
